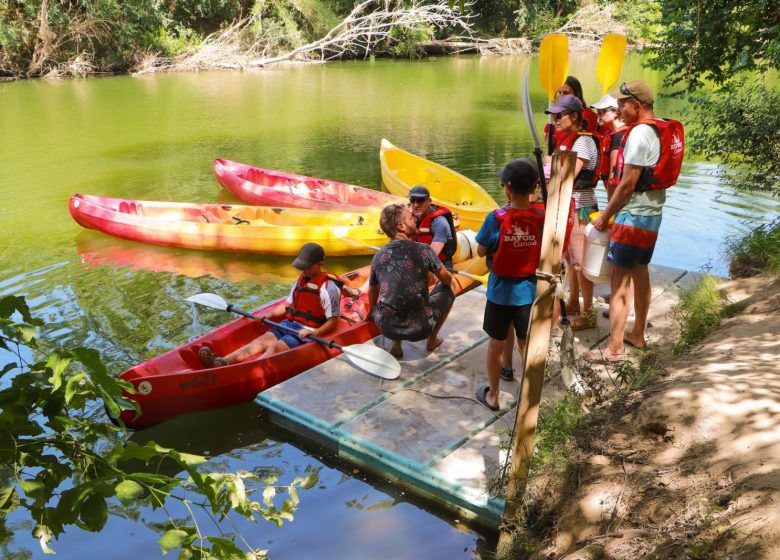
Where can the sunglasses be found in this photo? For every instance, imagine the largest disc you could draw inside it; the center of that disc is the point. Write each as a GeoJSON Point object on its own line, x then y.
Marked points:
{"type": "Point", "coordinates": [625, 91]}
{"type": "Point", "coordinates": [417, 200]}
{"type": "Point", "coordinates": [559, 116]}
{"type": "Point", "coordinates": [601, 112]}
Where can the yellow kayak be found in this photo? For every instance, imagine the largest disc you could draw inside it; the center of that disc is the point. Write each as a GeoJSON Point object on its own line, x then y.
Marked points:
{"type": "Point", "coordinates": [402, 170]}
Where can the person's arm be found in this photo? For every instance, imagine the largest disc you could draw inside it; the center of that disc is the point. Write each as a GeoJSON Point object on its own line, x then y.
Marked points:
{"type": "Point", "coordinates": [613, 155]}
{"type": "Point", "coordinates": [322, 330]}
{"type": "Point", "coordinates": [441, 234]}
{"type": "Point", "coordinates": [373, 296]}
{"type": "Point", "coordinates": [620, 196]}
{"type": "Point", "coordinates": [482, 250]}
{"type": "Point", "coordinates": [444, 276]}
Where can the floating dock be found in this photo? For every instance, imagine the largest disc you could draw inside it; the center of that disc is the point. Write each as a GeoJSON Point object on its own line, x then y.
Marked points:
{"type": "Point", "coordinates": [425, 431]}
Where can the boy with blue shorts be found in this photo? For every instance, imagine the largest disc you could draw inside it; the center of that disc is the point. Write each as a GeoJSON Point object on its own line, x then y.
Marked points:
{"type": "Point", "coordinates": [511, 238]}
{"type": "Point", "coordinates": [312, 308]}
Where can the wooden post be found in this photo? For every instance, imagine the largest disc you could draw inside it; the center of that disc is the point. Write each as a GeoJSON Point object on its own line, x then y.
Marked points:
{"type": "Point", "coordinates": [557, 211]}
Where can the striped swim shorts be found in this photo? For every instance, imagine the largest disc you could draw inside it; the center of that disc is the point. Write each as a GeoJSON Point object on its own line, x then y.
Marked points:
{"type": "Point", "coordinates": [632, 239]}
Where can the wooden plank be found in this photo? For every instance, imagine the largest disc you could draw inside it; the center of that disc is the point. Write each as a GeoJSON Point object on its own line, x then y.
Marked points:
{"type": "Point", "coordinates": [558, 200]}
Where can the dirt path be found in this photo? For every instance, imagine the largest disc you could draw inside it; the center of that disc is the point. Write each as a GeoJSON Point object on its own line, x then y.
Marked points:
{"type": "Point", "coordinates": [690, 468]}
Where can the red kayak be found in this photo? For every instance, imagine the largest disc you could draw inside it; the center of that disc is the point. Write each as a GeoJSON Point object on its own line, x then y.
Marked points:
{"type": "Point", "coordinates": [265, 187]}
{"type": "Point", "coordinates": [176, 383]}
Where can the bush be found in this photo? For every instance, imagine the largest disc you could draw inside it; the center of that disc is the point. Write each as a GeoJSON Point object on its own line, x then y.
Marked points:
{"type": "Point", "coordinates": [700, 310]}
{"type": "Point", "coordinates": [756, 252]}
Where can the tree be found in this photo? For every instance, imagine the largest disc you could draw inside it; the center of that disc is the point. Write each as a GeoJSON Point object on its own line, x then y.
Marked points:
{"type": "Point", "coordinates": [64, 466]}
{"type": "Point", "coordinates": [721, 52]}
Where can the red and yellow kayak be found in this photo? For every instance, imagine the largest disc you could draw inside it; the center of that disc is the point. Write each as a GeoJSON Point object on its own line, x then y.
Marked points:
{"type": "Point", "coordinates": [176, 383]}
{"type": "Point", "coordinates": [238, 229]}
{"type": "Point", "coordinates": [267, 187]}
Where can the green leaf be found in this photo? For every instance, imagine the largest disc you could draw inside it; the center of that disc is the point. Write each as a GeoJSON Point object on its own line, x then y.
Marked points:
{"type": "Point", "coordinates": [57, 364]}
{"type": "Point", "coordinates": [27, 332]}
{"type": "Point", "coordinates": [9, 499]}
{"type": "Point", "coordinates": [94, 512]}
{"type": "Point", "coordinates": [72, 386]}
{"type": "Point", "coordinates": [268, 495]}
{"type": "Point", "coordinates": [226, 549]}
{"type": "Point", "coordinates": [128, 491]}
{"type": "Point", "coordinates": [31, 487]}
{"type": "Point", "coordinates": [172, 538]}
{"type": "Point", "coordinates": [43, 534]}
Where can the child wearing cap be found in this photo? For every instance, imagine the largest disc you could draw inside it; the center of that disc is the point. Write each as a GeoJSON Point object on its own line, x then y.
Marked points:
{"type": "Point", "coordinates": [312, 307]}
{"type": "Point", "coordinates": [511, 238]}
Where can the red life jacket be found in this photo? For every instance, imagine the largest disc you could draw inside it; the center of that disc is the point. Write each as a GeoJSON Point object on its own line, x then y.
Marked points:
{"type": "Point", "coordinates": [425, 231]}
{"type": "Point", "coordinates": [665, 172]}
{"type": "Point", "coordinates": [519, 241]}
{"type": "Point", "coordinates": [306, 306]}
{"type": "Point", "coordinates": [606, 142]}
{"type": "Point", "coordinates": [587, 178]}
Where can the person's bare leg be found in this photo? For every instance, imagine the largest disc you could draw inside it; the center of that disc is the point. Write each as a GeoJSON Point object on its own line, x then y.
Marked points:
{"type": "Point", "coordinates": [620, 283]}
{"type": "Point", "coordinates": [509, 348]}
{"type": "Point", "coordinates": [495, 352]}
{"type": "Point", "coordinates": [573, 305]}
{"type": "Point", "coordinates": [434, 341]}
{"type": "Point", "coordinates": [396, 349]}
{"type": "Point", "coordinates": [257, 346]}
{"type": "Point", "coordinates": [587, 293]}
{"type": "Point", "coordinates": [642, 296]}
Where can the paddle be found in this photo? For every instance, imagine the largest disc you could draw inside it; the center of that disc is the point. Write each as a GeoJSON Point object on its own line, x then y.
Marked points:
{"type": "Point", "coordinates": [369, 358]}
{"type": "Point", "coordinates": [529, 119]}
{"type": "Point", "coordinates": [610, 64]}
{"type": "Point", "coordinates": [528, 111]}
{"type": "Point", "coordinates": [553, 69]}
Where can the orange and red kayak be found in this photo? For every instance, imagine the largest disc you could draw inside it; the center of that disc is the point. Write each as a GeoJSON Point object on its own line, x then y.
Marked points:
{"type": "Point", "coordinates": [267, 187]}
{"type": "Point", "coordinates": [230, 228]}
{"type": "Point", "coordinates": [176, 383]}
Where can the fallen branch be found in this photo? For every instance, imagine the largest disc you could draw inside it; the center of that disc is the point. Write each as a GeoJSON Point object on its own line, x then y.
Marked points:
{"type": "Point", "coordinates": [362, 33]}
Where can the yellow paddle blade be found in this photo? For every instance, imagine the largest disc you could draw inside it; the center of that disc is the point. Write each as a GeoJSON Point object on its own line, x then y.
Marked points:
{"type": "Point", "coordinates": [610, 64]}
{"type": "Point", "coordinates": [553, 63]}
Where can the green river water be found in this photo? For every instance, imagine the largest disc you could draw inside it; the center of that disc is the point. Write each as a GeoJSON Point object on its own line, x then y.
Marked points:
{"type": "Point", "coordinates": [155, 137]}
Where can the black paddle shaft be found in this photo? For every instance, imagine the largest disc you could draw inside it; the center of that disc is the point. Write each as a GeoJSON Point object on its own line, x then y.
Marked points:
{"type": "Point", "coordinates": [328, 343]}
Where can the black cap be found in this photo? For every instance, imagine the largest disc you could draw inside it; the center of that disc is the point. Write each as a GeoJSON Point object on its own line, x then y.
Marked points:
{"type": "Point", "coordinates": [310, 254]}
{"type": "Point", "coordinates": [522, 171]}
{"type": "Point", "coordinates": [419, 192]}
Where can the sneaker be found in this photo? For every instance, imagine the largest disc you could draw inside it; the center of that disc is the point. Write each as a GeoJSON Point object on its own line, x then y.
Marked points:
{"type": "Point", "coordinates": [208, 359]}
{"type": "Point", "coordinates": [507, 374]}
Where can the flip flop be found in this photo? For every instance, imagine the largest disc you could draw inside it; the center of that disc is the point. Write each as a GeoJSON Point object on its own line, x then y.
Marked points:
{"type": "Point", "coordinates": [634, 346]}
{"type": "Point", "coordinates": [482, 398]}
{"type": "Point", "coordinates": [507, 374]}
{"type": "Point", "coordinates": [596, 357]}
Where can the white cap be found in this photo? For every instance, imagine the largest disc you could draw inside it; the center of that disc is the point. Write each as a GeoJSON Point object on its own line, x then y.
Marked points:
{"type": "Point", "coordinates": [606, 102]}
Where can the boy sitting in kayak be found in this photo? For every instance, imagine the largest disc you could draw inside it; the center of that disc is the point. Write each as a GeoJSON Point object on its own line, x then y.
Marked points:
{"type": "Point", "coordinates": [311, 308]}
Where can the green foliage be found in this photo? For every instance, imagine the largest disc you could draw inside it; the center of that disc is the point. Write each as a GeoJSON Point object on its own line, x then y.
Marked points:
{"type": "Point", "coordinates": [404, 40]}
{"type": "Point", "coordinates": [66, 468]}
{"type": "Point", "coordinates": [730, 45]}
{"type": "Point", "coordinates": [642, 19]}
{"type": "Point", "coordinates": [756, 252]}
{"type": "Point", "coordinates": [700, 310]}
{"type": "Point", "coordinates": [739, 127]}
{"type": "Point", "coordinates": [554, 439]}
{"type": "Point", "coordinates": [716, 39]}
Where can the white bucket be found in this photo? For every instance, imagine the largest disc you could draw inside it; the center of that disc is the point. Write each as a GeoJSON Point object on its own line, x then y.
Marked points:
{"type": "Point", "coordinates": [595, 266]}
{"type": "Point", "coordinates": [467, 245]}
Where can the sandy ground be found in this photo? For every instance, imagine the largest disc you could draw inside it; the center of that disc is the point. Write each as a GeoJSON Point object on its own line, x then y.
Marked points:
{"type": "Point", "coordinates": [690, 467]}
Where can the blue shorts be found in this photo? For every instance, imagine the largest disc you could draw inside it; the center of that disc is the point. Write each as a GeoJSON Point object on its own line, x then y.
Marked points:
{"type": "Point", "coordinates": [291, 340]}
{"type": "Point", "coordinates": [632, 239]}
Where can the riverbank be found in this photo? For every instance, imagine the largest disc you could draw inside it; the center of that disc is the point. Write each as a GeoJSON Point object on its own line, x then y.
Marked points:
{"type": "Point", "coordinates": [687, 466]}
